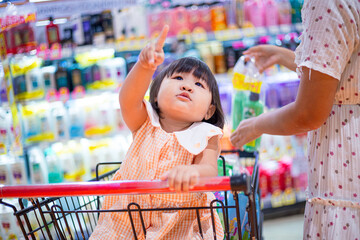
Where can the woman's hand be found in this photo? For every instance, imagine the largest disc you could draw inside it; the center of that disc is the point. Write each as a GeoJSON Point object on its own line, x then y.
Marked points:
{"type": "Point", "coordinates": [244, 133]}
{"type": "Point", "coordinates": [268, 55]}
{"type": "Point", "coordinates": [182, 178]}
{"type": "Point", "coordinates": [152, 54]}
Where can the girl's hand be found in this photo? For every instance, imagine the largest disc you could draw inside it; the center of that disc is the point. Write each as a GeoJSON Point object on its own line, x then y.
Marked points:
{"type": "Point", "coordinates": [244, 133]}
{"type": "Point", "coordinates": [153, 54]}
{"type": "Point", "coordinates": [182, 178]}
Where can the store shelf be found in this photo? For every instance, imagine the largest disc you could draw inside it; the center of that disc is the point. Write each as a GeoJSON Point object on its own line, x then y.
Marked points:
{"type": "Point", "coordinates": [283, 209]}
{"type": "Point", "coordinates": [297, 208]}
{"type": "Point", "coordinates": [196, 38]}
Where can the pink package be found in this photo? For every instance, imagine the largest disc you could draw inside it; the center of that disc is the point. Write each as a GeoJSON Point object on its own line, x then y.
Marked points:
{"type": "Point", "coordinates": [263, 181]}
{"type": "Point", "coordinates": [271, 13]}
{"type": "Point", "coordinates": [205, 19]}
{"type": "Point", "coordinates": [179, 21]}
{"type": "Point", "coordinates": [284, 7]}
{"type": "Point", "coordinates": [254, 12]}
{"type": "Point", "coordinates": [274, 178]}
{"type": "Point", "coordinates": [155, 22]}
{"type": "Point", "coordinates": [194, 17]}
{"type": "Point", "coordinates": [286, 180]}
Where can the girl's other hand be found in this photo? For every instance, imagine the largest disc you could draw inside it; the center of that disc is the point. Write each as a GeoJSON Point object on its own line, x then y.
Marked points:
{"type": "Point", "coordinates": [244, 133]}
{"type": "Point", "coordinates": [265, 56]}
{"type": "Point", "coordinates": [153, 54]}
{"type": "Point", "coordinates": [182, 178]}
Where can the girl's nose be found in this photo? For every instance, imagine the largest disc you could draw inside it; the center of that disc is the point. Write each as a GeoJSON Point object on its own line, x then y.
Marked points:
{"type": "Point", "coordinates": [186, 87]}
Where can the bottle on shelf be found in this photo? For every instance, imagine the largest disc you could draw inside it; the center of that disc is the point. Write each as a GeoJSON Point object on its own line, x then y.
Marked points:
{"type": "Point", "coordinates": [284, 7]}
{"type": "Point", "coordinates": [75, 76]}
{"type": "Point", "coordinates": [61, 80]}
{"type": "Point", "coordinates": [49, 78]}
{"type": "Point", "coordinates": [55, 171]}
{"type": "Point", "coordinates": [52, 32]}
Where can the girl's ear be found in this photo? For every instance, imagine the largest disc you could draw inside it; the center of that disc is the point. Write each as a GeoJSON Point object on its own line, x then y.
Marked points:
{"type": "Point", "coordinates": [210, 112]}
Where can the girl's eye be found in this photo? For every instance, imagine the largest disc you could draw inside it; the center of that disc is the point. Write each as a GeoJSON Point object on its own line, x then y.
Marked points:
{"type": "Point", "coordinates": [178, 78]}
{"type": "Point", "coordinates": [199, 84]}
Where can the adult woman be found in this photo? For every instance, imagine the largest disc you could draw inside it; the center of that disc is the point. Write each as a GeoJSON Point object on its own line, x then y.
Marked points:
{"type": "Point", "coordinates": [328, 106]}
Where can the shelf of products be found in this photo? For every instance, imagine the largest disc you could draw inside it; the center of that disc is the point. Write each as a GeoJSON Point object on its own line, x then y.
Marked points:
{"type": "Point", "coordinates": [62, 84]}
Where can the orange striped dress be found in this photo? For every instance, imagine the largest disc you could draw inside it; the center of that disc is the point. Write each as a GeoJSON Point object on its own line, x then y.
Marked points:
{"type": "Point", "coordinates": [152, 153]}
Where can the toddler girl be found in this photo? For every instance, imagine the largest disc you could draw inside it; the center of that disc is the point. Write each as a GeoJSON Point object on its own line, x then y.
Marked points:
{"type": "Point", "coordinates": [176, 138]}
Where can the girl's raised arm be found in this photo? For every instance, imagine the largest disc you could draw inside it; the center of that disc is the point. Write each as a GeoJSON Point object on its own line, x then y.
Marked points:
{"type": "Point", "coordinates": [138, 80]}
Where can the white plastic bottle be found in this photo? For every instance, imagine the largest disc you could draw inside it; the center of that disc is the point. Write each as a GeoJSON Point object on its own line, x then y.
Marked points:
{"type": "Point", "coordinates": [54, 166]}
{"type": "Point", "coordinates": [5, 173]}
{"type": "Point", "coordinates": [67, 161]}
{"type": "Point", "coordinates": [59, 115]}
{"type": "Point", "coordinates": [48, 74]}
{"type": "Point", "coordinates": [34, 81]}
{"type": "Point", "coordinates": [18, 171]}
{"type": "Point", "coordinates": [9, 229]}
{"type": "Point", "coordinates": [38, 168]}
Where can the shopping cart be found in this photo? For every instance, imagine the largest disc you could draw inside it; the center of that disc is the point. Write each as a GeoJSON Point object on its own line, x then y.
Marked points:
{"type": "Point", "coordinates": [71, 211]}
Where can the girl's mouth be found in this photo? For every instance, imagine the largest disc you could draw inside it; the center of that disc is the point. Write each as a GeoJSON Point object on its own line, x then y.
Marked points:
{"type": "Point", "coordinates": [184, 95]}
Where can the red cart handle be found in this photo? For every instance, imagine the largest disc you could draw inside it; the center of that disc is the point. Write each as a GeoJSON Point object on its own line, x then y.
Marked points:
{"type": "Point", "coordinates": [234, 183]}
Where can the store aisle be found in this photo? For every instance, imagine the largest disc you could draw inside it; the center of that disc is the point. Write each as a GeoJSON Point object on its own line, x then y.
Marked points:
{"type": "Point", "coordinates": [289, 228]}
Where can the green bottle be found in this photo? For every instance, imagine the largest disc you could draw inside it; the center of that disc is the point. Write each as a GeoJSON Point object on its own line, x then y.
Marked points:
{"type": "Point", "coordinates": [252, 108]}
{"type": "Point", "coordinates": [237, 108]}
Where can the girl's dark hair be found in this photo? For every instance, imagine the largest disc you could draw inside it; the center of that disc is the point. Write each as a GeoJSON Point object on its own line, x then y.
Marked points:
{"type": "Point", "coordinates": [199, 70]}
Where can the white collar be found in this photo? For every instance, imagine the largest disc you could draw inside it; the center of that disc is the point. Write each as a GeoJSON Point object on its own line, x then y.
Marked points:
{"type": "Point", "coordinates": [195, 138]}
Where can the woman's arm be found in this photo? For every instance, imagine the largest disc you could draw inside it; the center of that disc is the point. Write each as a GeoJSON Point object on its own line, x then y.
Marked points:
{"type": "Point", "coordinates": [309, 111]}
{"type": "Point", "coordinates": [137, 82]}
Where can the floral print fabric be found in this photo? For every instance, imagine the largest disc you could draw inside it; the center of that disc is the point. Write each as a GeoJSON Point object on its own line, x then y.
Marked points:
{"type": "Point", "coordinates": [330, 44]}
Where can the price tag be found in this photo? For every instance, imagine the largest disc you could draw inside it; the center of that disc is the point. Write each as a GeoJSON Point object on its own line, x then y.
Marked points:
{"type": "Point", "coordinates": [227, 35]}
{"type": "Point", "coordinates": [261, 31]}
{"type": "Point", "coordinates": [42, 51]}
{"type": "Point", "coordinates": [299, 27]}
{"type": "Point", "coordinates": [130, 44]}
{"type": "Point", "coordinates": [284, 28]}
{"type": "Point", "coordinates": [121, 45]}
{"type": "Point", "coordinates": [274, 30]}
{"type": "Point", "coordinates": [219, 35]}
{"type": "Point", "coordinates": [55, 51]}
{"type": "Point", "coordinates": [199, 37]}
{"type": "Point", "coordinates": [63, 94]}
{"type": "Point", "coordinates": [51, 95]}
{"type": "Point", "coordinates": [236, 34]}
{"type": "Point", "coordinates": [240, 34]}
{"type": "Point", "coordinates": [78, 92]}
{"type": "Point", "coordinates": [142, 43]}
{"type": "Point", "coordinates": [249, 32]}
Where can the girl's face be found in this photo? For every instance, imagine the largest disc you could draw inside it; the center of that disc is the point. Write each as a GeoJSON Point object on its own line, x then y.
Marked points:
{"type": "Point", "coordinates": [183, 97]}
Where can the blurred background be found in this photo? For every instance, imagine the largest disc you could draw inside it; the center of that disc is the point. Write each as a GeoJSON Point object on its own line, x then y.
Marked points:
{"type": "Point", "coordinates": [63, 63]}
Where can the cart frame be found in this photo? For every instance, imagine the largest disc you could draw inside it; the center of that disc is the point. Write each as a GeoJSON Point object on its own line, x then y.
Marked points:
{"type": "Point", "coordinates": [53, 216]}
